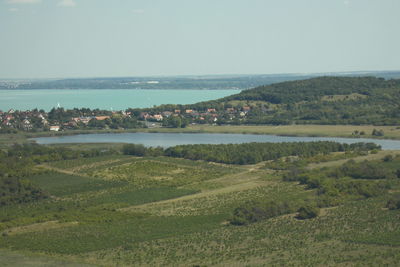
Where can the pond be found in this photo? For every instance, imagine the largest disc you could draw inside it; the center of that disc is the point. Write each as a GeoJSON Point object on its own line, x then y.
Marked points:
{"type": "Point", "coordinates": [173, 139]}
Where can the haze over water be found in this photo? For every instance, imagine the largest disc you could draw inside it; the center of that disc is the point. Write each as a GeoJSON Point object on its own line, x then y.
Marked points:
{"type": "Point", "coordinates": [116, 99]}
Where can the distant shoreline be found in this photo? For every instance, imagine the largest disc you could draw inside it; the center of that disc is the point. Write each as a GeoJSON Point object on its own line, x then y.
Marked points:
{"type": "Point", "coordinates": [200, 89]}
{"type": "Point", "coordinates": [188, 82]}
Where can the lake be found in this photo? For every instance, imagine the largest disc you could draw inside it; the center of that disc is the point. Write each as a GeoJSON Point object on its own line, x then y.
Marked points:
{"type": "Point", "coordinates": [173, 139]}
{"type": "Point", "coordinates": [116, 99]}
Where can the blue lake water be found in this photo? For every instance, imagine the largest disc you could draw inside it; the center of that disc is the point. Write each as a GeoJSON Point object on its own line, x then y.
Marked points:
{"type": "Point", "coordinates": [116, 99]}
{"type": "Point", "coordinates": [173, 139]}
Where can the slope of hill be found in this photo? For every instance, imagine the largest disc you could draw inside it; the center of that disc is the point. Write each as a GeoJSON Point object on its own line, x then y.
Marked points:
{"type": "Point", "coordinates": [313, 89]}
{"type": "Point", "coordinates": [322, 100]}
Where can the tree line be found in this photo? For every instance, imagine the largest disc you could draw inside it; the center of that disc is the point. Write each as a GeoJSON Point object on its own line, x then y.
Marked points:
{"type": "Point", "coordinates": [247, 153]}
{"type": "Point", "coordinates": [251, 153]}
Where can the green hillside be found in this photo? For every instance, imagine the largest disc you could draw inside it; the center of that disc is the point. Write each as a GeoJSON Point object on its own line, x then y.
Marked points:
{"type": "Point", "coordinates": [322, 100]}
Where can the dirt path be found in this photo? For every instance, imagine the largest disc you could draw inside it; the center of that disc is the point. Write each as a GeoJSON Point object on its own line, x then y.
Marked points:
{"type": "Point", "coordinates": [60, 170]}
{"type": "Point", "coordinates": [37, 227]}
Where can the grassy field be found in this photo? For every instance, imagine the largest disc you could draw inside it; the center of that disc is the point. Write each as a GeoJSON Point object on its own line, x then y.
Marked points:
{"type": "Point", "coordinates": [157, 211]}
{"type": "Point", "coordinates": [14, 259]}
{"type": "Point", "coordinates": [7, 139]}
{"type": "Point", "coordinates": [391, 132]}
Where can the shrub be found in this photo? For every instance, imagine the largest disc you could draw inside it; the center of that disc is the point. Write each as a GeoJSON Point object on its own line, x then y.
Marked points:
{"type": "Point", "coordinates": [135, 150]}
{"type": "Point", "coordinates": [394, 202]}
{"type": "Point", "coordinates": [365, 170]}
{"type": "Point", "coordinates": [257, 211]}
{"type": "Point", "coordinates": [307, 212]}
{"type": "Point", "coordinates": [376, 132]}
{"type": "Point", "coordinates": [388, 158]}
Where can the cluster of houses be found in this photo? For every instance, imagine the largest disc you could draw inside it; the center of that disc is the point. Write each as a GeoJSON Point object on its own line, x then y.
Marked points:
{"type": "Point", "coordinates": [84, 120]}
{"type": "Point", "coordinates": [28, 120]}
{"type": "Point", "coordinates": [24, 120]}
{"type": "Point", "coordinates": [209, 115]}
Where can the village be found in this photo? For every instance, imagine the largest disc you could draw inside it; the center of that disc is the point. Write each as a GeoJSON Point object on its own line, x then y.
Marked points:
{"type": "Point", "coordinates": [59, 119]}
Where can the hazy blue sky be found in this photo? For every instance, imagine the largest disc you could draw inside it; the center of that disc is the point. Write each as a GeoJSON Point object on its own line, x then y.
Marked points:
{"type": "Point", "coordinates": [79, 38]}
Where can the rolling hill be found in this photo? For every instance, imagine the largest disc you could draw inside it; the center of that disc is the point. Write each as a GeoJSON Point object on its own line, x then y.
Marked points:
{"type": "Point", "coordinates": [322, 100]}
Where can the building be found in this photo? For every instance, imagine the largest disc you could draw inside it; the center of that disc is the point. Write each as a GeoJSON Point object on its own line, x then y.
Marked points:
{"type": "Point", "coordinates": [102, 118]}
{"type": "Point", "coordinates": [167, 113]}
{"type": "Point", "coordinates": [26, 124]}
{"type": "Point", "coordinates": [144, 115]}
{"type": "Point", "coordinates": [54, 128]}
{"type": "Point", "coordinates": [158, 117]}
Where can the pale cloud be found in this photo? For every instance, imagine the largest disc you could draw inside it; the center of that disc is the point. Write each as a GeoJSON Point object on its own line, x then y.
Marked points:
{"type": "Point", "coordinates": [24, 1]}
{"type": "Point", "coordinates": [67, 3]}
{"type": "Point", "coordinates": [346, 2]}
{"type": "Point", "coordinates": [138, 11]}
{"type": "Point", "coordinates": [13, 9]}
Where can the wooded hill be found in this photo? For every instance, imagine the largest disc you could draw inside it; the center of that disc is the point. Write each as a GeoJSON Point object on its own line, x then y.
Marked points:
{"type": "Point", "coordinates": [322, 100]}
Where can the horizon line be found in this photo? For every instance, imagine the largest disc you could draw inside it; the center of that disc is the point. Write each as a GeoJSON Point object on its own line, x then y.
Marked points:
{"type": "Point", "coordinates": [210, 75]}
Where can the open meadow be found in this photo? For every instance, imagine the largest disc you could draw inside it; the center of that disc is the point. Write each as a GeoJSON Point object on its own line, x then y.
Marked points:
{"type": "Point", "coordinates": [390, 132]}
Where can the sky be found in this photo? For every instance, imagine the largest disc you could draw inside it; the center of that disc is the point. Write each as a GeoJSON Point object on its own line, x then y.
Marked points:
{"type": "Point", "coordinates": [111, 38]}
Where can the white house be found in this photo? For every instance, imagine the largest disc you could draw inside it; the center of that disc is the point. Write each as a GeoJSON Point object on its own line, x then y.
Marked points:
{"type": "Point", "coordinates": [54, 128]}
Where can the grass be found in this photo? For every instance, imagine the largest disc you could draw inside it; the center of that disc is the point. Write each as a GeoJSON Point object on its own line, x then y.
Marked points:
{"type": "Point", "coordinates": [279, 241]}
{"type": "Point", "coordinates": [17, 259]}
{"type": "Point", "coordinates": [37, 227]}
{"type": "Point", "coordinates": [7, 139]}
{"type": "Point", "coordinates": [111, 233]}
{"type": "Point", "coordinates": [139, 196]}
{"type": "Point", "coordinates": [158, 211]}
{"type": "Point", "coordinates": [150, 173]}
{"type": "Point", "coordinates": [75, 164]}
{"type": "Point", "coordinates": [391, 132]}
{"type": "Point", "coordinates": [333, 98]}
{"type": "Point", "coordinates": [61, 184]}
{"type": "Point", "coordinates": [378, 156]}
